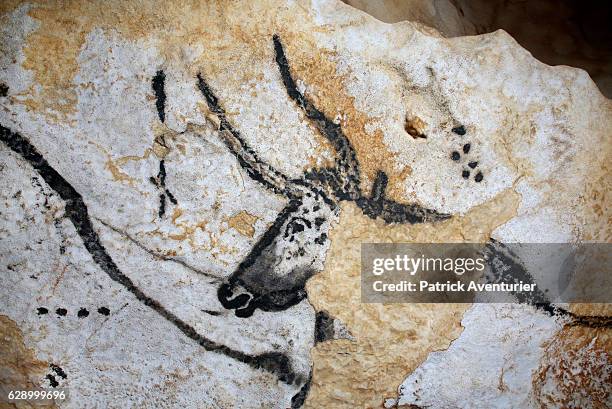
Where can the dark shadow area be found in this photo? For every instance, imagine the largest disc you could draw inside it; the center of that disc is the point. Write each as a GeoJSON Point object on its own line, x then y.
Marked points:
{"type": "Point", "coordinates": [557, 32]}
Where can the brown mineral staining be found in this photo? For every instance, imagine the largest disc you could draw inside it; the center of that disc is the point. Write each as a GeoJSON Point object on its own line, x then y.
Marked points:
{"type": "Point", "coordinates": [159, 148]}
{"type": "Point", "coordinates": [176, 214]}
{"type": "Point", "coordinates": [576, 369]}
{"type": "Point", "coordinates": [116, 172]}
{"type": "Point", "coordinates": [391, 339]}
{"type": "Point", "coordinates": [7, 6]}
{"type": "Point", "coordinates": [243, 223]}
{"type": "Point", "coordinates": [114, 165]}
{"type": "Point", "coordinates": [397, 189]}
{"type": "Point", "coordinates": [51, 56]}
{"type": "Point", "coordinates": [325, 87]}
{"type": "Point", "coordinates": [591, 310]}
{"type": "Point", "coordinates": [19, 367]}
{"type": "Point", "coordinates": [578, 192]}
{"type": "Point", "coordinates": [188, 230]}
{"type": "Point", "coordinates": [52, 51]}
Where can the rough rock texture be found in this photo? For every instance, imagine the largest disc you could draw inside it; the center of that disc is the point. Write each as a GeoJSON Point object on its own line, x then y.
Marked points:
{"type": "Point", "coordinates": [19, 368]}
{"type": "Point", "coordinates": [393, 339]}
{"type": "Point", "coordinates": [556, 32]}
{"type": "Point", "coordinates": [175, 174]}
{"type": "Point", "coordinates": [504, 346]}
{"type": "Point", "coordinates": [443, 15]}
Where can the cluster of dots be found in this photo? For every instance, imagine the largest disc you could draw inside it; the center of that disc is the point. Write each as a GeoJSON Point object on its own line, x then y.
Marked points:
{"type": "Point", "coordinates": [456, 156]}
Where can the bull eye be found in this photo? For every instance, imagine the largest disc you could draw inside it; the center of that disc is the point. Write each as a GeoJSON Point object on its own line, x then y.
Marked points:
{"type": "Point", "coordinates": [296, 225]}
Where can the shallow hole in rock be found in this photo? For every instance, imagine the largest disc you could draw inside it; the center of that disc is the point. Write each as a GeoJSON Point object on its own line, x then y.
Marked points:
{"type": "Point", "coordinates": [415, 127]}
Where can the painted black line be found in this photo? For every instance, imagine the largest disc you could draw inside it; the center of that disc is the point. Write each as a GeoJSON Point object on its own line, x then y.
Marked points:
{"type": "Point", "coordinates": [330, 185]}
{"type": "Point", "coordinates": [213, 313]}
{"type": "Point", "coordinates": [59, 371]}
{"type": "Point", "coordinates": [159, 256]}
{"type": "Point", "coordinates": [344, 179]}
{"type": "Point", "coordinates": [171, 197]}
{"type": "Point", "coordinates": [157, 84]}
{"type": "Point", "coordinates": [161, 174]}
{"type": "Point", "coordinates": [160, 182]}
{"type": "Point", "coordinates": [3, 89]}
{"type": "Point", "coordinates": [271, 233]}
{"type": "Point", "coordinates": [76, 210]}
{"type": "Point", "coordinates": [267, 302]}
{"type": "Point", "coordinates": [507, 266]}
{"type": "Point", "coordinates": [257, 169]}
{"type": "Point", "coordinates": [245, 304]}
{"type": "Point", "coordinates": [297, 401]}
{"type": "Point", "coordinates": [162, 205]}
{"type": "Point", "coordinates": [320, 190]}
{"type": "Point", "coordinates": [379, 186]}
{"type": "Point", "coordinates": [347, 161]}
{"type": "Point", "coordinates": [591, 321]}
{"type": "Point", "coordinates": [324, 326]}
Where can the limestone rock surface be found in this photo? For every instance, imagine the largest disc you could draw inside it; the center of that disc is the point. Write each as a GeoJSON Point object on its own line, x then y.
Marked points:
{"type": "Point", "coordinates": [186, 186]}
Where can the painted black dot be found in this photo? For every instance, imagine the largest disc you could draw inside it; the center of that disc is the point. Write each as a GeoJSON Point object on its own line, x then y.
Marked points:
{"type": "Point", "coordinates": [61, 312]}
{"type": "Point", "coordinates": [52, 381]}
{"type": "Point", "coordinates": [459, 130]}
{"type": "Point", "coordinates": [478, 177]}
{"type": "Point", "coordinates": [319, 221]}
{"type": "Point", "coordinates": [466, 148]}
{"type": "Point", "coordinates": [465, 174]}
{"type": "Point", "coordinates": [104, 311]}
{"type": "Point", "coordinates": [41, 310]}
{"type": "Point", "coordinates": [473, 164]}
{"type": "Point", "coordinates": [82, 313]}
{"type": "Point", "coordinates": [455, 156]}
{"type": "Point", "coordinates": [3, 89]}
{"type": "Point", "coordinates": [59, 371]}
{"type": "Point", "coordinates": [321, 239]}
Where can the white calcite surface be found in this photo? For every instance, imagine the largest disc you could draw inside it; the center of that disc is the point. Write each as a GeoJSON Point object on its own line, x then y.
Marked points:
{"type": "Point", "coordinates": [154, 155]}
{"type": "Point", "coordinates": [493, 359]}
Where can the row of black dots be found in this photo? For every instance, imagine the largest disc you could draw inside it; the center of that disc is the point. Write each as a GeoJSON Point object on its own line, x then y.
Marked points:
{"type": "Point", "coordinates": [82, 313]}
